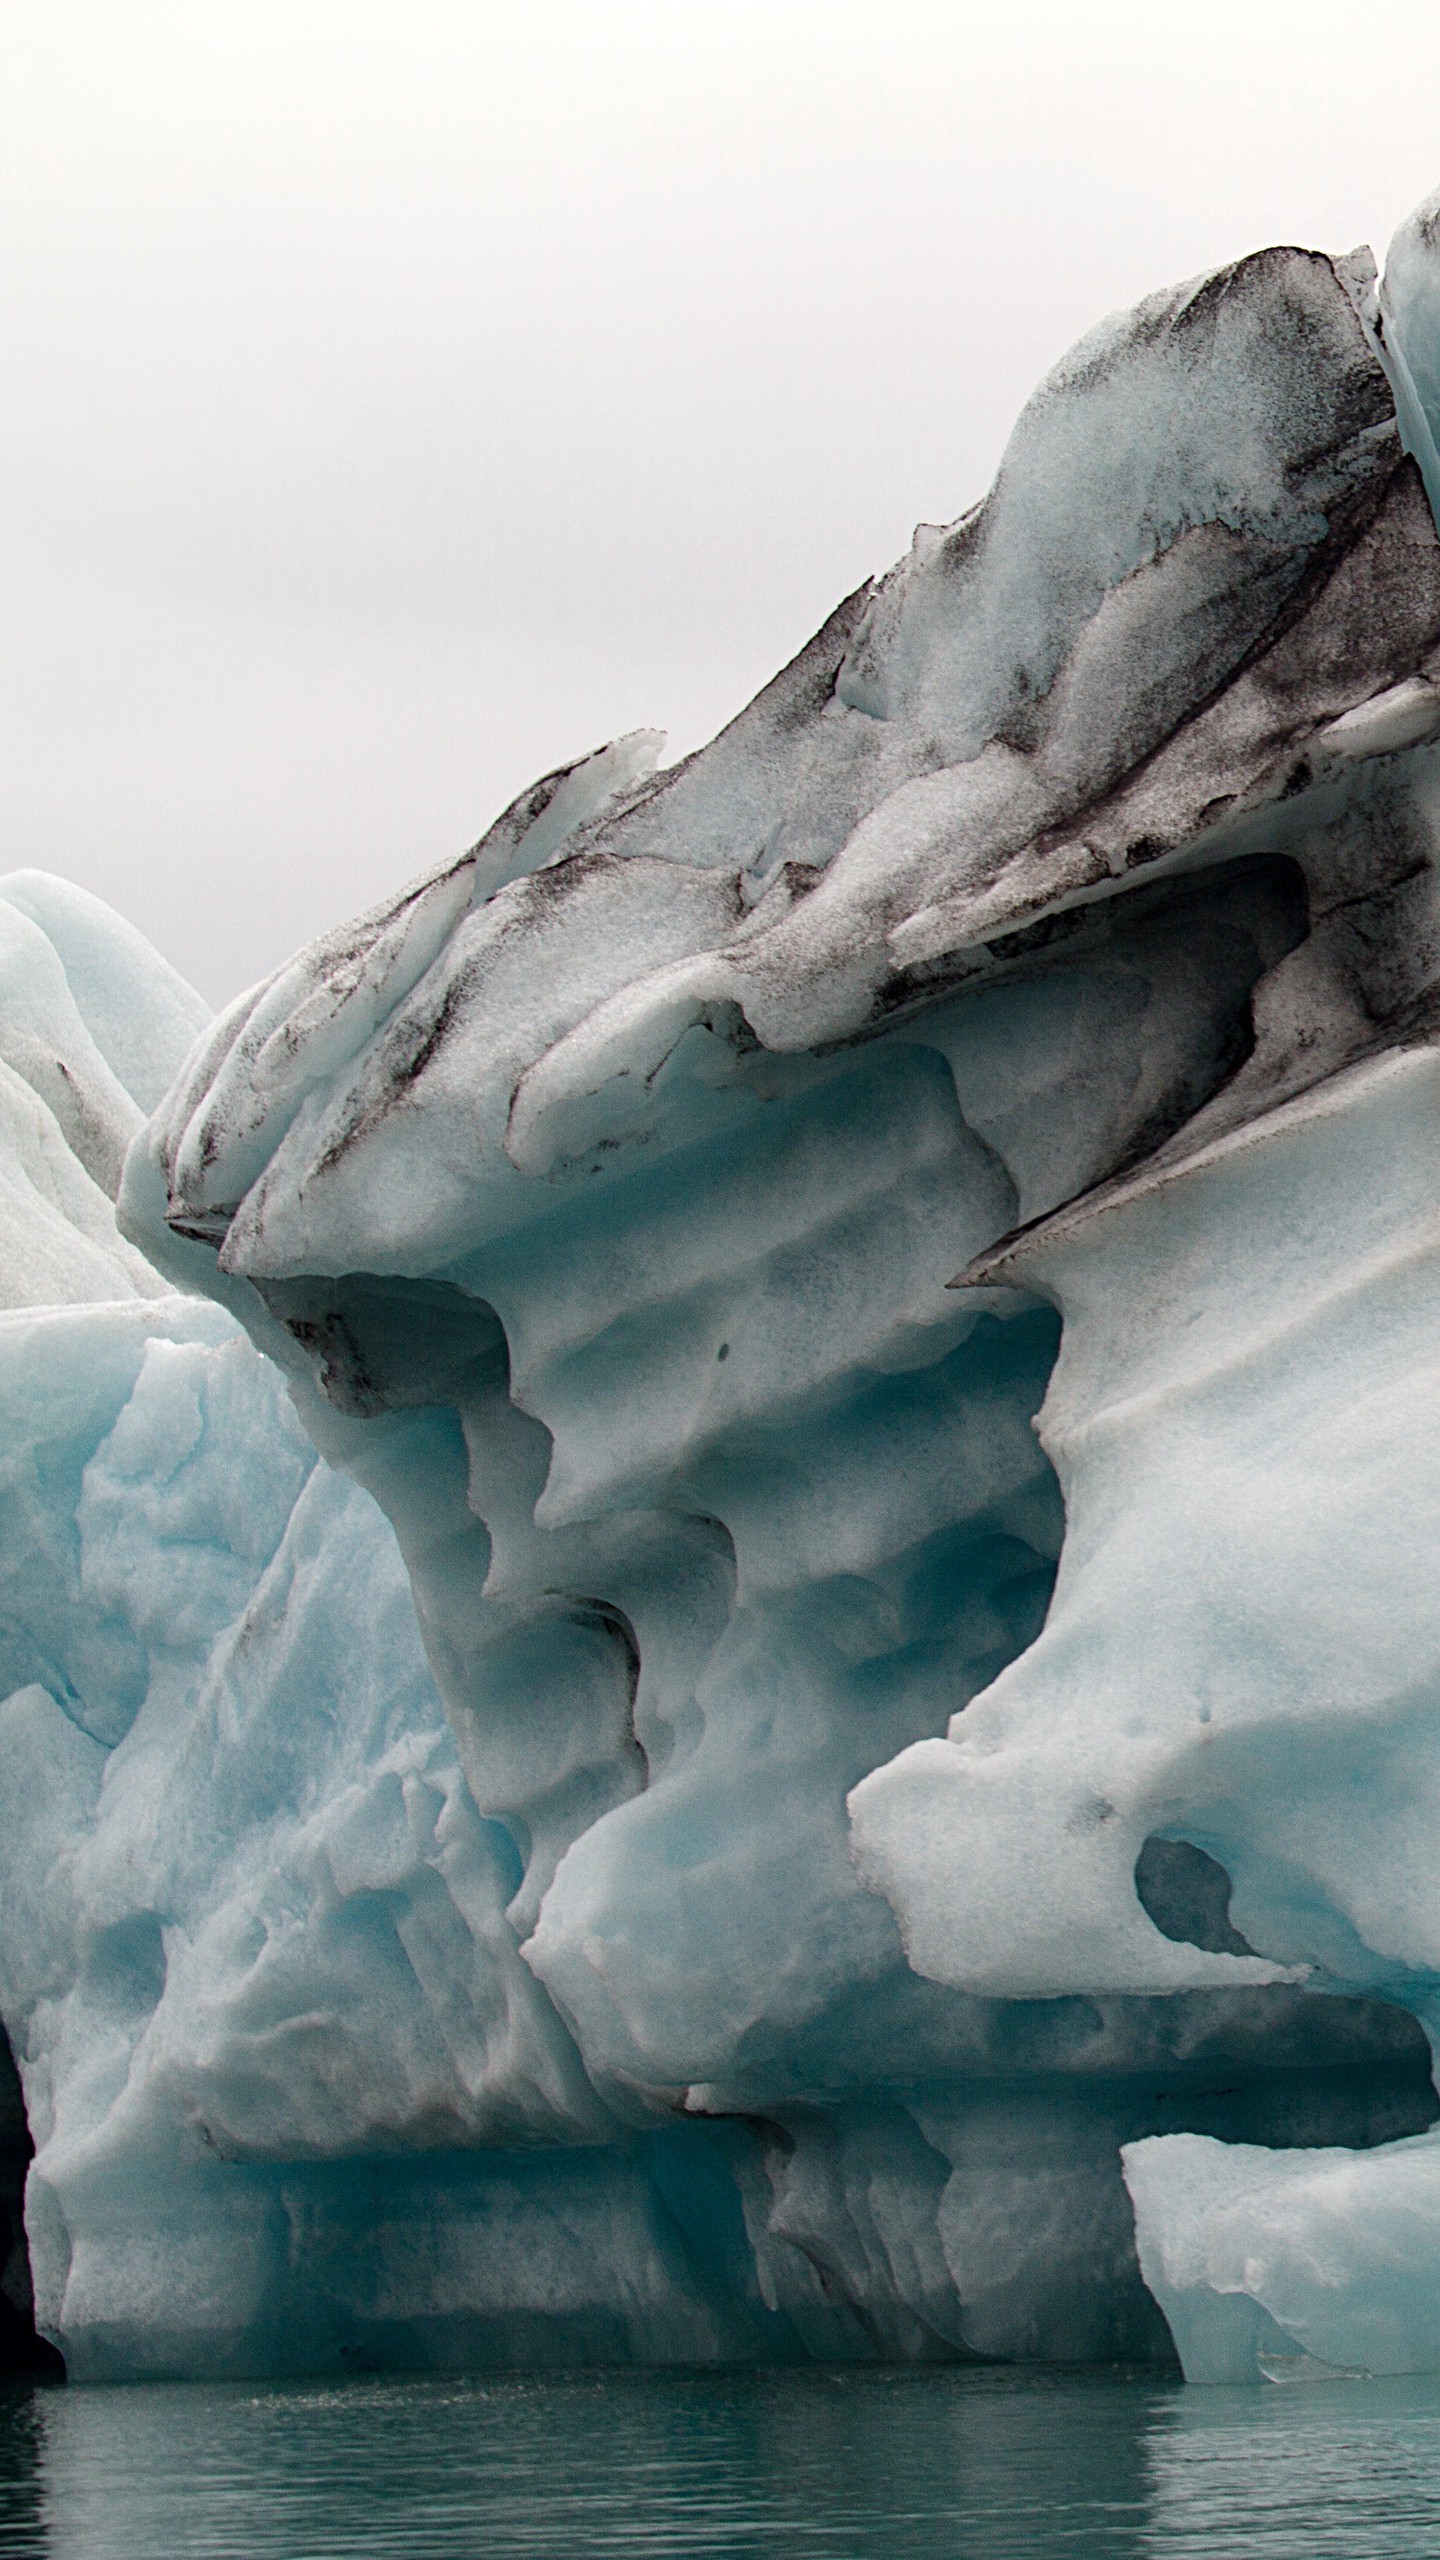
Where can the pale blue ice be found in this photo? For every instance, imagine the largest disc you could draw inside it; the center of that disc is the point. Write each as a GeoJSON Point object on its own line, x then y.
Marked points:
{"type": "Point", "coordinates": [585, 1780]}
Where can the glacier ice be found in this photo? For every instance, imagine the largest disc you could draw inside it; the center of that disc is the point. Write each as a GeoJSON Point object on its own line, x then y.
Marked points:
{"type": "Point", "coordinates": [716, 1586]}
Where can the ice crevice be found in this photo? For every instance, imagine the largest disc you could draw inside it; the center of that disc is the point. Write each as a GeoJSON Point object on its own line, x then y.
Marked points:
{"type": "Point", "coordinates": [715, 1597]}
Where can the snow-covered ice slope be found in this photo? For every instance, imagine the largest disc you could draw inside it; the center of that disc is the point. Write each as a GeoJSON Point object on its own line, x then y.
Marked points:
{"type": "Point", "coordinates": [693, 1831]}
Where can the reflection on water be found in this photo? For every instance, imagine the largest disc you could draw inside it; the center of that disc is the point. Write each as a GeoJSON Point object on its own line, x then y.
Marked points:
{"type": "Point", "coordinates": [927, 2465]}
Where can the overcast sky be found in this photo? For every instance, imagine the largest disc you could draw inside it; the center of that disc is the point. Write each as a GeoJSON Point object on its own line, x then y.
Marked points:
{"type": "Point", "coordinates": [402, 396]}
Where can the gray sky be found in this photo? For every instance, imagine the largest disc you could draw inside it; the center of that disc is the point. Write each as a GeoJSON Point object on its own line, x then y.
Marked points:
{"type": "Point", "coordinates": [402, 396]}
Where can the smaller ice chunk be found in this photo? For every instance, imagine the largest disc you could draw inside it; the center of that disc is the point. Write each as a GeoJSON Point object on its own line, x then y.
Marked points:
{"type": "Point", "coordinates": [1259, 2257]}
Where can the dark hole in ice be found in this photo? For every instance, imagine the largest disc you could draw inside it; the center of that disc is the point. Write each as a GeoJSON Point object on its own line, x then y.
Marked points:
{"type": "Point", "coordinates": [22, 2349]}
{"type": "Point", "coordinates": [383, 1344]}
{"type": "Point", "coordinates": [1187, 1894]}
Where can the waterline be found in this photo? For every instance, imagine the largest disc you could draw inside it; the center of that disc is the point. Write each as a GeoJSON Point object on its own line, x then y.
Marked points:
{"type": "Point", "coordinates": [935, 2464]}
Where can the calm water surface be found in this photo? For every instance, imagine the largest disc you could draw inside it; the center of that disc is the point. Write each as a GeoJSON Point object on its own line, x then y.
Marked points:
{"type": "Point", "coordinates": [914, 2466]}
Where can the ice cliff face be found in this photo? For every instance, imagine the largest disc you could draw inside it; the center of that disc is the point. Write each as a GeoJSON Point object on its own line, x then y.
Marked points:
{"type": "Point", "coordinates": [693, 1830]}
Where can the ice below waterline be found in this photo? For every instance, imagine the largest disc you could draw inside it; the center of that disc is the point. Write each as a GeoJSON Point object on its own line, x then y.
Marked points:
{"type": "Point", "coordinates": [718, 1617]}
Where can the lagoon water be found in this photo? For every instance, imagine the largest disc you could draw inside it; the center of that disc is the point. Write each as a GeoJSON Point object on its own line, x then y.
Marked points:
{"type": "Point", "coordinates": [928, 2465]}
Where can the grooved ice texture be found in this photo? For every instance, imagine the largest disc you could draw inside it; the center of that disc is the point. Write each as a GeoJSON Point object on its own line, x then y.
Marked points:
{"type": "Point", "coordinates": [719, 1621]}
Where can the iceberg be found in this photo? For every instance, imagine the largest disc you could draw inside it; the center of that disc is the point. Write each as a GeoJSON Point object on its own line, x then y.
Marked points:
{"type": "Point", "coordinates": [718, 1613]}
